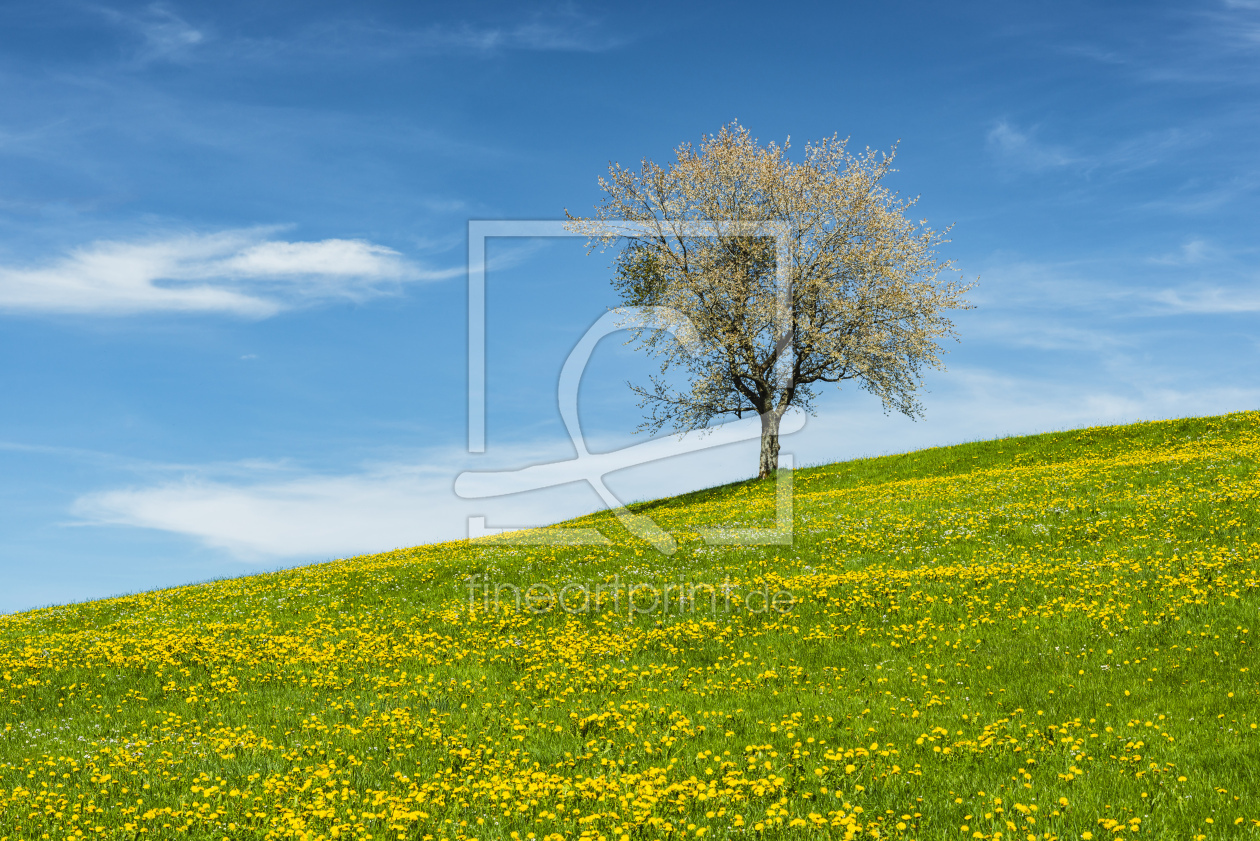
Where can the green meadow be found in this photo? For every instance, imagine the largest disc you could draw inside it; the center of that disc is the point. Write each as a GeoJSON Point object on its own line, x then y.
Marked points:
{"type": "Point", "coordinates": [1046, 637]}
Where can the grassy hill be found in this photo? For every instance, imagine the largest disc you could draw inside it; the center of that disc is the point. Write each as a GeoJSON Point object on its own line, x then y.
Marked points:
{"type": "Point", "coordinates": [1040, 637]}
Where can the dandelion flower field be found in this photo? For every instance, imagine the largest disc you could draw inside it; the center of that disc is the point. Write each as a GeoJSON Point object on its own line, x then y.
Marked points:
{"type": "Point", "coordinates": [1048, 637]}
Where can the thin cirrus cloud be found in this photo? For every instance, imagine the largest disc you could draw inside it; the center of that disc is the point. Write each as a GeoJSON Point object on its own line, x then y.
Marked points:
{"type": "Point", "coordinates": [359, 39]}
{"type": "Point", "coordinates": [1023, 150]}
{"type": "Point", "coordinates": [167, 35]}
{"type": "Point", "coordinates": [563, 35]}
{"type": "Point", "coordinates": [241, 273]}
{"type": "Point", "coordinates": [1215, 46]}
{"type": "Point", "coordinates": [1206, 300]}
{"type": "Point", "coordinates": [1192, 252]}
{"type": "Point", "coordinates": [564, 31]}
{"type": "Point", "coordinates": [161, 33]}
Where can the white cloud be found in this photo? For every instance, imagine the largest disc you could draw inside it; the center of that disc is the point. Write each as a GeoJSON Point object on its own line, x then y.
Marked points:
{"type": "Point", "coordinates": [256, 514]}
{"type": "Point", "coordinates": [540, 35]}
{"type": "Point", "coordinates": [1204, 201]}
{"type": "Point", "coordinates": [566, 30]}
{"type": "Point", "coordinates": [1021, 149]}
{"type": "Point", "coordinates": [1041, 292]}
{"type": "Point", "coordinates": [1191, 253]}
{"type": "Point", "coordinates": [309, 516]}
{"type": "Point", "coordinates": [1030, 288]}
{"type": "Point", "coordinates": [971, 404]}
{"type": "Point", "coordinates": [164, 35]}
{"type": "Point", "coordinates": [239, 272]}
{"type": "Point", "coordinates": [1207, 300]}
{"type": "Point", "coordinates": [1243, 27]}
{"type": "Point", "coordinates": [266, 511]}
{"type": "Point", "coordinates": [1046, 334]}
{"type": "Point", "coordinates": [331, 258]}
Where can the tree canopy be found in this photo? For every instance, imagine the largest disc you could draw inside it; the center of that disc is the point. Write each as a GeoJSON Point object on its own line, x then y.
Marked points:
{"type": "Point", "coordinates": [792, 274]}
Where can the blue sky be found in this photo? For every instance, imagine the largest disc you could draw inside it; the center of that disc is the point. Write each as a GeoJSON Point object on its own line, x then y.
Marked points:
{"type": "Point", "coordinates": [233, 236]}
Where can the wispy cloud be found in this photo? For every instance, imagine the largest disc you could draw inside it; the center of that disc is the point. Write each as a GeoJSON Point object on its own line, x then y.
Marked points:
{"type": "Point", "coordinates": [1207, 300]}
{"type": "Point", "coordinates": [1211, 43]}
{"type": "Point", "coordinates": [1191, 253]}
{"type": "Point", "coordinates": [237, 272]}
{"type": "Point", "coordinates": [283, 512]}
{"type": "Point", "coordinates": [1051, 335]}
{"type": "Point", "coordinates": [565, 30]}
{"type": "Point", "coordinates": [163, 35]}
{"type": "Point", "coordinates": [1150, 148]}
{"type": "Point", "coordinates": [277, 511]}
{"type": "Point", "coordinates": [1035, 287]}
{"type": "Point", "coordinates": [1044, 304]}
{"type": "Point", "coordinates": [1021, 149]}
{"type": "Point", "coordinates": [1239, 24]}
{"type": "Point", "coordinates": [310, 515]}
{"type": "Point", "coordinates": [1196, 198]}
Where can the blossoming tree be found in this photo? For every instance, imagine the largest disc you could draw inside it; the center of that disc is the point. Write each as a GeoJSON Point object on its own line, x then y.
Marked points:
{"type": "Point", "coordinates": [787, 275]}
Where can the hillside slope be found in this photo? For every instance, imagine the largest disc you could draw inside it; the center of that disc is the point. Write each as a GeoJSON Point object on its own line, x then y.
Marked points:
{"type": "Point", "coordinates": [1041, 637]}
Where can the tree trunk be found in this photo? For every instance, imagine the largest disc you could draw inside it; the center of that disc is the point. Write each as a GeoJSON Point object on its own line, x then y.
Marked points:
{"type": "Point", "coordinates": [769, 444]}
